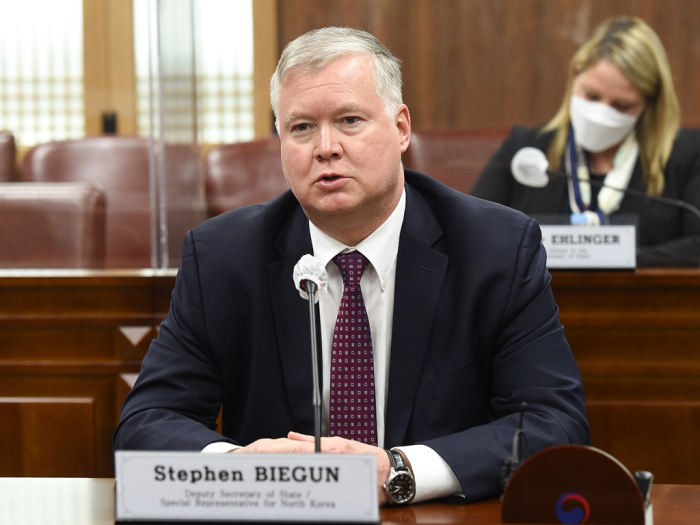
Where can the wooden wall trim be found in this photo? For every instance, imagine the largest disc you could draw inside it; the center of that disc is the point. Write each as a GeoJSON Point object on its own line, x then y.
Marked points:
{"type": "Point", "coordinates": [265, 55]}
{"type": "Point", "coordinates": [109, 67]}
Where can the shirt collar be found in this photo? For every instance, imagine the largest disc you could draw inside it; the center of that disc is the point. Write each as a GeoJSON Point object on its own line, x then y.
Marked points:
{"type": "Point", "coordinates": [380, 247]}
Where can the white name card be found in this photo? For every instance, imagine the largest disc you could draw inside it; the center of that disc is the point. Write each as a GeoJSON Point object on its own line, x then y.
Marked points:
{"type": "Point", "coordinates": [177, 486]}
{"type": "Point", "coordinates": [594, 247]}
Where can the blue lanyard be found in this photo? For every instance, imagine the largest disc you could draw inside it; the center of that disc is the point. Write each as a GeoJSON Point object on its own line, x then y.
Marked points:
{"type": "Point", "coordinates": [573, 164]}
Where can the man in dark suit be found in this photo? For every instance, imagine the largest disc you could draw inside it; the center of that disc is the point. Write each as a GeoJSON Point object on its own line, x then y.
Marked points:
{"type": "Point", "coordinates": [463, 324]}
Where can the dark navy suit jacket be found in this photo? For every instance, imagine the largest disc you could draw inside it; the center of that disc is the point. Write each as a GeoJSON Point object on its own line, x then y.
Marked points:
{"type": "Point", "coordinates": [475, 333]}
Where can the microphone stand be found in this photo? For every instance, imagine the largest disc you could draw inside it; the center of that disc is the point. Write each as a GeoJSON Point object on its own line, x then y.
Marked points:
{"type": "Point", "coordinates": [519, 451]}
{"type": "Point", "coordinates": [631, 191]}
{"type": "Point", "coordinates": [311, 288]}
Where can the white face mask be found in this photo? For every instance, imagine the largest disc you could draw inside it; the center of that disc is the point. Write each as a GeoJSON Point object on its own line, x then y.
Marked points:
{"type": "Point", "coordinates": [598, 126]}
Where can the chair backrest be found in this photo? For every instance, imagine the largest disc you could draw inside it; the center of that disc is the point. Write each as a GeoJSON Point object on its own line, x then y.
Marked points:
{"type": "Point", "coordinates": [186, 199]}
{"type": "Point", "coordinates": [455, 157]}
{"type": "Point", "coordinates": [243, 173]}
{"type": "Point", "coordinates": [45, 225]}
{"type": "Point", "coordinates": [121, 165]}
{"type": "Point", "coordinates": [8, 154]}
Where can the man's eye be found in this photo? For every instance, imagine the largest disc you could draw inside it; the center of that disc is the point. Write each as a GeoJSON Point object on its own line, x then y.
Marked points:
{"type": "Point", "coordinates": [351, 120]}
{"type": "Point", "coordinates": [300, 127]}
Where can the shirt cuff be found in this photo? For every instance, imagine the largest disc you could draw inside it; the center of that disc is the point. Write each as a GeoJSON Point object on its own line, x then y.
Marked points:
{"type": "Point", "coordinates": [434, 477]}
{"type": "Point", "coordinates": [219, 447]}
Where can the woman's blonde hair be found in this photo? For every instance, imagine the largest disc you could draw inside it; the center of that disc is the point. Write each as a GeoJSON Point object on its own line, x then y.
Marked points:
{"type": "Point", "coordinates": [636, 50]}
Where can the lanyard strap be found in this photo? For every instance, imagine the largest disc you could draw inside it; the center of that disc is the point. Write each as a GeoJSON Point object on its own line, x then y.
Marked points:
{"type": "Point", "coordinates": [572, 168]}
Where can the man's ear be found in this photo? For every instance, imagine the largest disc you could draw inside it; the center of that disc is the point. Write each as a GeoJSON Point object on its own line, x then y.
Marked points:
{"type": "Point", "coordinates": [403, 123]}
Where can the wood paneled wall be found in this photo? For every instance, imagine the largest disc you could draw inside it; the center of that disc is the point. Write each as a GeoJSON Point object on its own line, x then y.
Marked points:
{"type": "Point", "coordinates": [495, 63]}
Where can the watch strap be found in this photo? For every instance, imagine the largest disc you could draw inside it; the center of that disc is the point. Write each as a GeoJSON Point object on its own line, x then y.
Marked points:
{"type": "Point", "coordinates": [396, 459]}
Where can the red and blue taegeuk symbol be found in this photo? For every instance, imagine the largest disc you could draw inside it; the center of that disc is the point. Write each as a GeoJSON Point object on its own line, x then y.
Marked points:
{"type": "Point", "coordinates": [572, 509]}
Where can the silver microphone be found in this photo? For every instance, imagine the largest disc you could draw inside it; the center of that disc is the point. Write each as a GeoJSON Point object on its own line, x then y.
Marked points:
{"type": "Point", "coordinates": [310, 277]}
{"type": "Point", "coordinates": [310, 270]}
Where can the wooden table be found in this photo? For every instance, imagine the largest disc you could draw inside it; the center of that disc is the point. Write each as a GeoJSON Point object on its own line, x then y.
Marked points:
{"type": "Point", "coordinates": [636, 339]}
{"type": "Point", "coordinates": [68, 339]}
{"type": "Point", "coordinates": [83, 501]}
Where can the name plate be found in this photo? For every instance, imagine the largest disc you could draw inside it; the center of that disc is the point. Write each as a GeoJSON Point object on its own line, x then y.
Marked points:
{"type": "Point", "coordinates": [190, 486]}
{"type": "Point", "coordinates": [594, 247]}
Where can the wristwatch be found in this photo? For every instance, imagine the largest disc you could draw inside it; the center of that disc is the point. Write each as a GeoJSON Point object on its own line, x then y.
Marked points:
{"type": "Point", "coordinates": [400, 487]}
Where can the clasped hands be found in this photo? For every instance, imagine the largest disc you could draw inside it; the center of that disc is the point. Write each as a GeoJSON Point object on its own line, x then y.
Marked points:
{"type": "Point", "coordinates": [301, 443]}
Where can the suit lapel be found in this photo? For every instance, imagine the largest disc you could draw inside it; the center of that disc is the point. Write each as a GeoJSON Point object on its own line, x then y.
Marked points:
{"type": "Point", "coordinates": [420, 271]}
{"type": "Point", "coordinates": [291, 318]}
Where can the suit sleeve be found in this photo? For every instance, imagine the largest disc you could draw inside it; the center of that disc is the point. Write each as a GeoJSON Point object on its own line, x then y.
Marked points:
{"type": "Point", "coordinates": [679, 253]}
{"type": "Point", "coordinates": [530, 362]}
{"type": "Point", "coordinates": [176, 399]}
{"type": "Point", "coordinates": [685, 250]}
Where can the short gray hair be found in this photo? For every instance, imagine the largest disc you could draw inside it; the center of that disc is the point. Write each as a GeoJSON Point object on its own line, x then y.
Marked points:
{"type": "Point", "coordinates": [316, 49]}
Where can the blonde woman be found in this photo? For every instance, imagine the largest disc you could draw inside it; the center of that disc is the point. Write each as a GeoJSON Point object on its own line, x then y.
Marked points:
{"type": "Point", "coordinates": [617, 126]}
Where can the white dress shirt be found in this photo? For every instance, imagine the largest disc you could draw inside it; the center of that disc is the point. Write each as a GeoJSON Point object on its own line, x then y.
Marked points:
{"type": "Point", "coordinates": [434, 478]}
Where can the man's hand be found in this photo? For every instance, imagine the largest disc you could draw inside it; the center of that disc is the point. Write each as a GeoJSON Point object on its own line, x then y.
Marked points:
{"type": "Point", "coordinates": [301, 443]}
{"type": "Point", "coordinates": [340, 445]}
{"type": "Point", "coordinates": [277, 446]}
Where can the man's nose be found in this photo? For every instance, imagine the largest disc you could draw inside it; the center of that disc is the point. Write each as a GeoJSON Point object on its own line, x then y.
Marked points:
{"type": "Point", "coordinates": [328, 144]}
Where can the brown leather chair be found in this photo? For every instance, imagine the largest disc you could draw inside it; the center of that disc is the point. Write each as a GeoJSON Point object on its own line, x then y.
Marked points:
{"type": "Point", "coordinates": [121, 165]}
{"type": "Point", "coordinates": [243, 173]}
{"type": "Point", "coordinates": [8, 154]}
{"type": "Point", "coordinates": [44, 225]}
{"type": "Point", "coordinates": [455, 157]}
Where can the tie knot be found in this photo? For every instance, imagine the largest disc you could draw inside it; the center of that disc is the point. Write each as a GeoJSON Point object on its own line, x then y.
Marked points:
{"type": "Point", "coordinates": [351, 266]}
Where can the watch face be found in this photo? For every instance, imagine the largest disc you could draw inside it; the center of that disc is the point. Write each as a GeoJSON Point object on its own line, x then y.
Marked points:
{"type": "Point", "coordinates": [402, 488]}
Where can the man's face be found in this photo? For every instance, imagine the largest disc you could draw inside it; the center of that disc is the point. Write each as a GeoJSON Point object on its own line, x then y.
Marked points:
{"type": "Point", "coordinates": [341, 153]}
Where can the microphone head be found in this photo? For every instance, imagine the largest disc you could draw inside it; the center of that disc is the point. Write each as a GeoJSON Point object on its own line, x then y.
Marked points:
{"type": "Point", "coordinates": [309, 268]}
{"type": "Point", "coordinates": [529, 167]}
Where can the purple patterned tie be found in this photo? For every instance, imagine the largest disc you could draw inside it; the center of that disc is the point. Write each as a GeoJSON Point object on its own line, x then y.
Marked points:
{"type": "Point", "coordinates": [352, 405]}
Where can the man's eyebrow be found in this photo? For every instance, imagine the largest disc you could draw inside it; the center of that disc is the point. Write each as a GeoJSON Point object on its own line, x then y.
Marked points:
{"type": "Point", "coordinates": [292, 116]}
{"type": "Point", "coordinates": [350, 108]}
